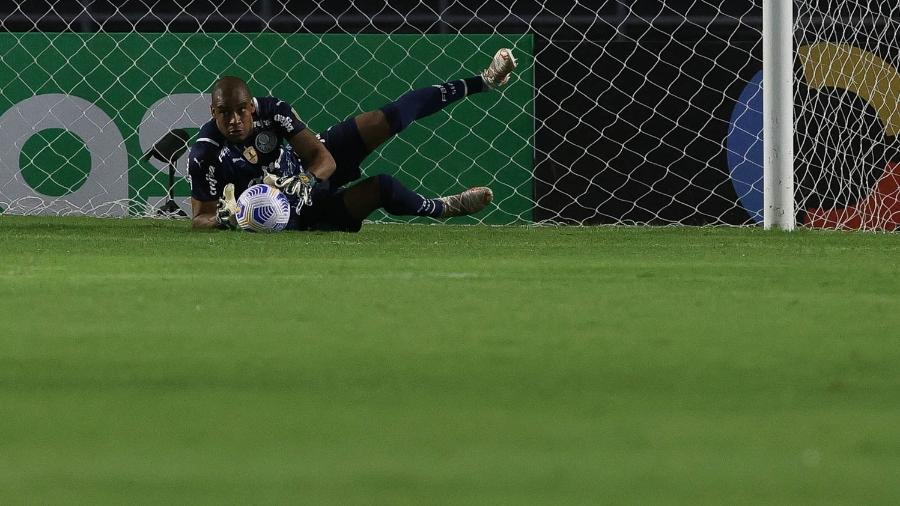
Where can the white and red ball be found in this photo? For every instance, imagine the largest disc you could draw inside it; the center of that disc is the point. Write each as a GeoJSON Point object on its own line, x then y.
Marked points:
{"type": "Point", "coordinates": [263, 208]}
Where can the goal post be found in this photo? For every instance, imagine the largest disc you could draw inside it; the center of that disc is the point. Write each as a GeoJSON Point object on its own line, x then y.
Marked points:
{"type": "Point", "coordinates": [778, 114]}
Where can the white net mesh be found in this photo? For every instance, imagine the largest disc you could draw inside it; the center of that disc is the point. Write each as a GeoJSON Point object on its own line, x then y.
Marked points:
{"type": "Point", "coordinates": [626, 112]}
{"type": "Point", "coordinates": [848, 109]}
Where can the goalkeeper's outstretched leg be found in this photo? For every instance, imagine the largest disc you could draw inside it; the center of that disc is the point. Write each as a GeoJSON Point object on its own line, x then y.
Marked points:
{"type": "Point", "coordinates": [376, 127]}
{"type": "Point", "coordinates": [345, 209]}
{"type": "Point", "coordinates": [385, 192]}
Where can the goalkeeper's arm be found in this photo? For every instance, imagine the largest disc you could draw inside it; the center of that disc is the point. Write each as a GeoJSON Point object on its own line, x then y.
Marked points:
{"type": "Point", "coordinates": [314, 155]}
{"type": "Point", "coordinates": [205, 174]}
{"type": "Point", "coordinates": [204, 214]}
{"type": "Point", "coordinates": [213, 214]}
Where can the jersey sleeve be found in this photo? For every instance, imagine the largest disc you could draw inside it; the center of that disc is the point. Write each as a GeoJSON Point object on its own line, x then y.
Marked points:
{"type": "Point", "coordinates": [205, 170]}
{"type": "Point", "coordinates": [287, 120]}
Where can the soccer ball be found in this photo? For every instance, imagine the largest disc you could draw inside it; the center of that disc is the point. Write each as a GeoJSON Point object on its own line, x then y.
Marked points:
{"type": "Point", "coordinates": [263, 208]}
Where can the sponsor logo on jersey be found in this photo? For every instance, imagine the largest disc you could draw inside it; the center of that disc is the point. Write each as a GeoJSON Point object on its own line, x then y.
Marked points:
{"type": "Point", "coordinates": [285, 122]}
{"type": "Point", "coordinates": [211, 179]}
{"type": "Point", "coordinates": [266, 141]}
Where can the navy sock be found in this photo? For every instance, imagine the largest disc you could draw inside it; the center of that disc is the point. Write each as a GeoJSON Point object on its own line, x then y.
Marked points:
{"type": "Point", "coordinates": [422, 102]}
{"type": "Point", "coordinates": [400, 200]}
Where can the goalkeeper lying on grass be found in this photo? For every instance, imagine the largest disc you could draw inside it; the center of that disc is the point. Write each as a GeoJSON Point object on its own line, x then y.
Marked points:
{"type": "Point", "coordinates": [244, 144]}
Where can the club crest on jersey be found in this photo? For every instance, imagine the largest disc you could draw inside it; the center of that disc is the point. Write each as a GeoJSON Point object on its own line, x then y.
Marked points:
{"type": "Point", "coordinates": [250, 155]}
{"type": "Point", "coordinates": [265, 142]}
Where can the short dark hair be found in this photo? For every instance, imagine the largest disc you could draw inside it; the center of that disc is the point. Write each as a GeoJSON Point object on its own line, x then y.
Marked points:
{"type": "Point", "coordinates": [227, 84]}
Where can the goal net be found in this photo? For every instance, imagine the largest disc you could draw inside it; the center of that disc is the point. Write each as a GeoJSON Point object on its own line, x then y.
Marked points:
{"type": "Point", "coordinates": [619, 112]}
{"type": "Point", "coordinates": [847, 165]}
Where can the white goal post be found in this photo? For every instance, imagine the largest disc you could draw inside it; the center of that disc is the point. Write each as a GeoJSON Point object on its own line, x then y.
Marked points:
{"type": "Point", "coordinates": [778, 114]}
{"type": "Point", "coordinates": [622, 112]}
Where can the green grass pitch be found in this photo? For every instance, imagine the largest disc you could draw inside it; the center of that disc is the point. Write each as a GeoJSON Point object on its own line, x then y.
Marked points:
{"type": "Point", "coordinates": [141, 363]}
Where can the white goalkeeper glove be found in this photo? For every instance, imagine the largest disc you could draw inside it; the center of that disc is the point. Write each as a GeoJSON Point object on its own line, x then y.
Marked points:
{"type": "Point", "coordinates": [227, 209]}
{"type": "Point", "coordinates": [300, 186]}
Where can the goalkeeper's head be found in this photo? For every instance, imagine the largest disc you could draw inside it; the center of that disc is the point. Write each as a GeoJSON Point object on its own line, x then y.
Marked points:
{"type": "Point", "coordinates": [232, 107]}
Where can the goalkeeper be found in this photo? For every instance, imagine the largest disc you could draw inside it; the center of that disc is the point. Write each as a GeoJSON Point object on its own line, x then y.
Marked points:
{"type": "Point", "coordinates": [243, 144]}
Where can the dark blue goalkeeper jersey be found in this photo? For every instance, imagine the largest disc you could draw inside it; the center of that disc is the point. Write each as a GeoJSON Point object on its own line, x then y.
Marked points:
{"type": "Point", "coordinates": [213, 162]}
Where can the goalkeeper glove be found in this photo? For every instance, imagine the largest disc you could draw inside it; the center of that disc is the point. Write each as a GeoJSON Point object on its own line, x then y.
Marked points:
{"type": "Point", "coordinates": [227, 209]}
{"type": "Point", "coordinates": [300, 186]}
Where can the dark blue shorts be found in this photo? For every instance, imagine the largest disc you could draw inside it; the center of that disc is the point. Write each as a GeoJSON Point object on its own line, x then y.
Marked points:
{"type": "Point", "coordinates": [348, 149]}
{"type": "Point", "coordinates": [328, 211]}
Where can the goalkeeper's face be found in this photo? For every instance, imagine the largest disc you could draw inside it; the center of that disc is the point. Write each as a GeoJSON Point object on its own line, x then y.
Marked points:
{"type": "Point", "coordinates": [233, 113]}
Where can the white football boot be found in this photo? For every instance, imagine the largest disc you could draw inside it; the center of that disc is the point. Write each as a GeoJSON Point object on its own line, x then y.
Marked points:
{"type": "Point", "coordinates": [497, 73]}
{"type": "Point", "coordinates": [468, 202]}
